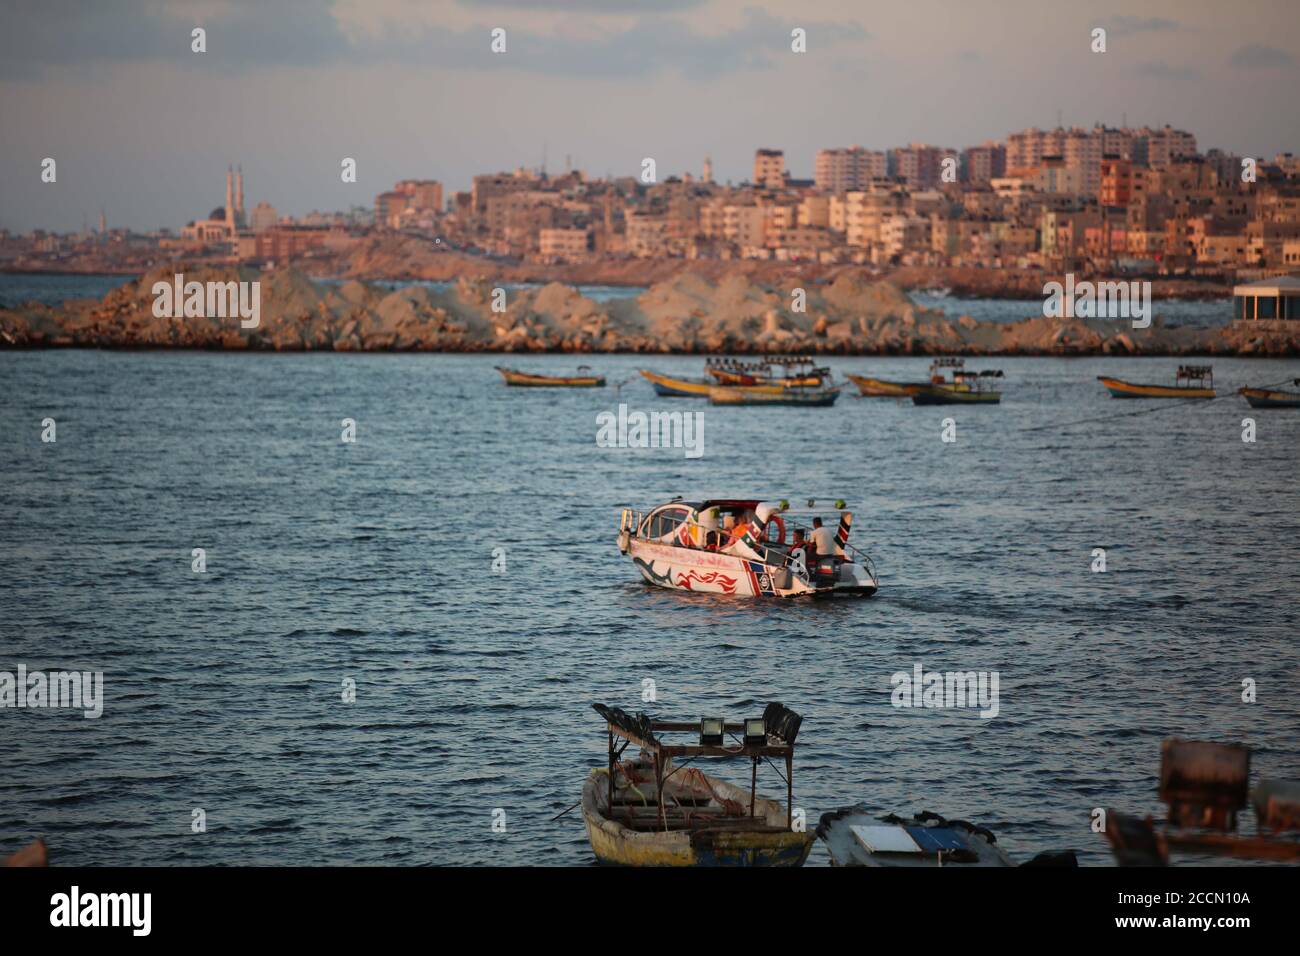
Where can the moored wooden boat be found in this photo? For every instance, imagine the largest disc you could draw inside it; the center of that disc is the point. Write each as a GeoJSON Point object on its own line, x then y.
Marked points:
{"type": "Point", "coordinates": [881, 388]}
{"type": "Point", "coordinates": [948, 395]}
{"type": "Point", "coordinates": [807, 397]}
{"type": "Point", "coordinates": [653, 812]}
{"type": "Point", "coordinates": [1270, 397]}
{"type": "Point", "coordinates": [531, 380]}
{"type": "Point", "coordinates": [1198, 374]}
{"type": "Point", "coordinates": [670, 387]}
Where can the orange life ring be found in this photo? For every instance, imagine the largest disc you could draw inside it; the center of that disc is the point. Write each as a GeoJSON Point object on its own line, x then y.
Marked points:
{"type": "Point", "coordinates": [780, 527]}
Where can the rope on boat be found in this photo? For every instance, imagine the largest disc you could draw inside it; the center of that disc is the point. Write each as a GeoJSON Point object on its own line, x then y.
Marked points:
{"type": "Point", "coordinates": [1145, 411]}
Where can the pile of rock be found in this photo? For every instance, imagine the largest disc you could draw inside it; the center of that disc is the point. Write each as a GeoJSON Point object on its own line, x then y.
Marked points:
{"type": "Point", "coordinates": [688, 313]}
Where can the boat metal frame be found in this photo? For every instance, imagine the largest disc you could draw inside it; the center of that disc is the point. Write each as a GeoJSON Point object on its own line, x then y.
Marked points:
{"type": "Point", "coordinates": [643, 731]}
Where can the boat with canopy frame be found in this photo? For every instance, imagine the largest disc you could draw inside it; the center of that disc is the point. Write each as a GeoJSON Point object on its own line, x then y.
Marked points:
{"type": "Point", "coordinates": [657, 810]}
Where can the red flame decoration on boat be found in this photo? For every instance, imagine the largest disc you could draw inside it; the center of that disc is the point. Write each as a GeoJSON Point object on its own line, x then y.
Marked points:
{"type": "Point", "coordinates": [727, 584]}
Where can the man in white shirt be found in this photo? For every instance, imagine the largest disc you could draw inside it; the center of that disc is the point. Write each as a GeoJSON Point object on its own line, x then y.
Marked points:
{"type": "Point", "coordinates": [823, 539]}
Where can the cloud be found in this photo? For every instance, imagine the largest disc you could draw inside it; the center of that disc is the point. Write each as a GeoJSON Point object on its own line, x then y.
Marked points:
{"type": "Point", "coordinates": [1127, 26]}
{"type": "Point", "coordinates": [53, 35]}
{"type": "Point", "coordinates": [1256, 56]}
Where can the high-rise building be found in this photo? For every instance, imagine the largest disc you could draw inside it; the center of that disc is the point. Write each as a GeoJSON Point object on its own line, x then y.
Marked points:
{"type": "Point", "coordinates": [263, 217]}
{"type": "Point", "coordinates": [769, 168]}
{"type": "Point", "coordinates": [848, 170]}
{"type": "Point", "coordinates": [984, 163]}
{"type": "Point", "coordinates": [920, 165]}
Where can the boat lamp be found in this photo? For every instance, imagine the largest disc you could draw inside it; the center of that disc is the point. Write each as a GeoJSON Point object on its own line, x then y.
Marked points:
{"type": "Point", "coordinates": [711, 731]}
{"type": "Point", "coordinates": [755, 732]}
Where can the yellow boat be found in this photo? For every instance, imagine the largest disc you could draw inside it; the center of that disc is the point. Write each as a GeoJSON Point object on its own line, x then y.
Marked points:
{"type": "Point", "coordinates": [530, 380]}
{"type": "Point", "coordinates": [880, 388]}
{"type": "Point", "coordinates": [1190, 374]}
{"type": "Point", "coordinates": [700, 820]}
{"type": "Point", "coordinates": [671, 387]}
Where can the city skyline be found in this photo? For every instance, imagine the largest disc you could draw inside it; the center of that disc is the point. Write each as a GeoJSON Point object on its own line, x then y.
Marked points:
{"type": "Point", "coordinates": [414, 91]}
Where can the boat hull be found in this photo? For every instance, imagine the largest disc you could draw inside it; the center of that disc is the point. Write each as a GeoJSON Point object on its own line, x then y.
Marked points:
{"type": "Point", "coordinates": [947, 395]}
{"type": "Point", "coordinates": [1119, 388]}
{"type": "Point", "coordinates": [757, 395]}
{"type": "Point", "coordinates": [614, 844]}
{"type": "Point", "coordinates": [713, 572]}
{"type": "Point", "coordinates": [880, 388]}
{"type": "Point", "coordinates": [527, 380]}
{"type": "Point", "coordinates": [1270, 398]}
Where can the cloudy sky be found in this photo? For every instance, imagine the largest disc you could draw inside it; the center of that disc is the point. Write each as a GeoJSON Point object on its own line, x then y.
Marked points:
{"type": "Point", "coordinates": [144, 127]}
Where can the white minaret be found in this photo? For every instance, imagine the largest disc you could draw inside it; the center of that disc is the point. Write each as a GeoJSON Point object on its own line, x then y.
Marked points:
{"type": "Point", "coordinates": [708, 170]}
{"type": "Point", "coordinates": [239, 195]}
{"type": "Point", "coordinates": [230, 196]}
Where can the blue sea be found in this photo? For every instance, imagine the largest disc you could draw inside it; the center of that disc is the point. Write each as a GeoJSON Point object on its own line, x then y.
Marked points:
{"type": "Point", "coordinates": [370, 566]}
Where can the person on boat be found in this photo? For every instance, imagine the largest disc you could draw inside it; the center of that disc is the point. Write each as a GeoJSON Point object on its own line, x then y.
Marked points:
{"type": "Point", "coordinates": [823, 539]}
{"type": "Point", "coordinates": [799, 553]}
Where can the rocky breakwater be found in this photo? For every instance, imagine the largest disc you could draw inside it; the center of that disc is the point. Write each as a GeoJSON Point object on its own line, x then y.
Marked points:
{"type": "Point", "coordinates": [688, 313]}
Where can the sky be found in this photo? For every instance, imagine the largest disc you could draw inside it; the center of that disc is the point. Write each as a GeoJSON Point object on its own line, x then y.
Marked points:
{"type": "Point", "coordinates": [143, 127]}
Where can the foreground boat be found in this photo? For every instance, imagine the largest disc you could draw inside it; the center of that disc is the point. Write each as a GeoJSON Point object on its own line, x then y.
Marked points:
{"type": "Point", "coordinates": [670, 387]}
{"type": "Point", "coordinates": [739, 547]}
{"type": "Point", "coordinates": [652, 811]}
{"type": "Point", "coordinates": [1195, 377]}
{"type": "Point", "coordinates": [1270, 397]}
{"type": "Point", "coordinates": [855, 838]}
{"type": "Point", "coordinates": [530, 380]}
{"type": "Point", "coordinates": [758, 395]}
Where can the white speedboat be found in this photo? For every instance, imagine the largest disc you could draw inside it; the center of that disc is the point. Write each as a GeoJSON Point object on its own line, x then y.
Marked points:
{"type": "Point", "coordinates": [744, 547]}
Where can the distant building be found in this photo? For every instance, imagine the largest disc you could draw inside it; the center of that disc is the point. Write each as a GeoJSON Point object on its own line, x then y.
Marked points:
{"type": "Point", "coordinates": [919, 165]}
{"type": "Point", "coordinates": [769, 168]}
{"type": "Point", "coordinates": [263, 217]}
{"type": "Point", "coordinates": [848, 170]}
{"type": "Point", "coordinates": [388, 209]}
{"type": "Point", "coordinates": [984, 163]}
{"type": "Point", "coordinates": [564, 245]}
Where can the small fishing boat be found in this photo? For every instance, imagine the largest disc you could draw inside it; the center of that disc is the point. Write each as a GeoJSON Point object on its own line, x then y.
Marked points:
{"type": "Point", "coordinates": [881, 388]}
{"type": "Point", "coordinates": [963, 388]}
{"type": "Point", "coordinates": [1271, 397]}
{"type": "Point", "coordinates": [531, 380]}
{"type": "Point", "coordinates": [671, 387]}
{"type": "Point", "coordinates": [637, 814]}
{"type": "Point", "coordinates": [1190, 382]}
{"type": "Point", "coordinates": [757, 395]}
{"type": "Point", "coordinates": [797, 371]}
{"type": "Point", "coordinates": [739, 547]}
{"type": "Point", "coordinates": [855, 838]}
